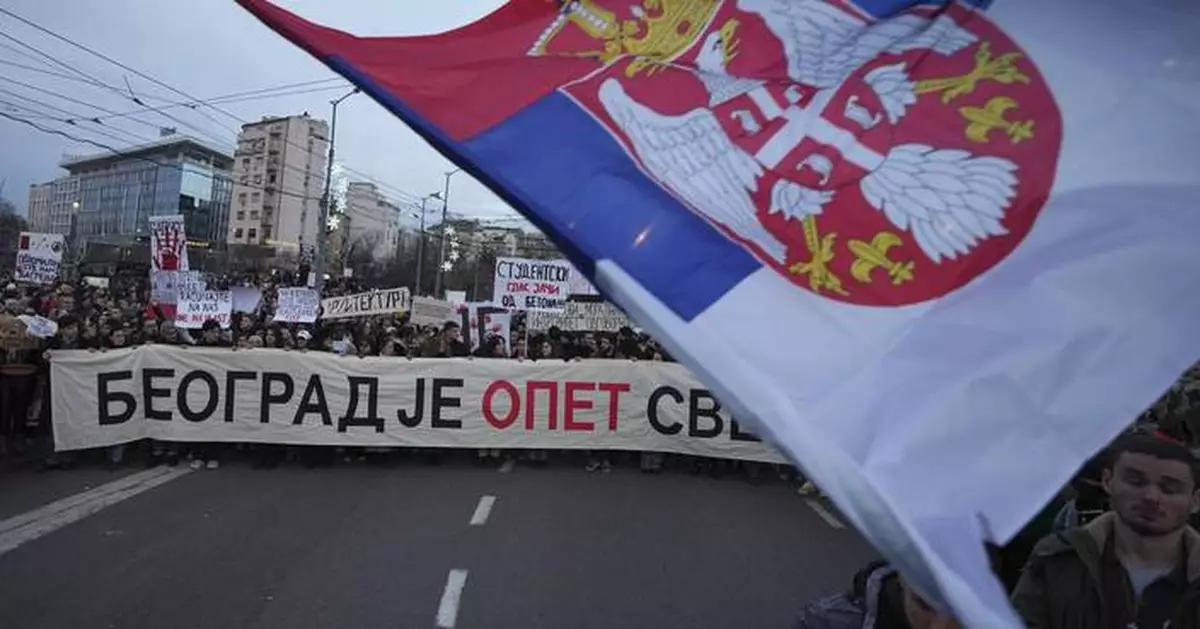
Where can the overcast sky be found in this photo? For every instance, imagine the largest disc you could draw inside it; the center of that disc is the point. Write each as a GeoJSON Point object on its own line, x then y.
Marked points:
{"type": "Point", "coordinates": [210, 48]}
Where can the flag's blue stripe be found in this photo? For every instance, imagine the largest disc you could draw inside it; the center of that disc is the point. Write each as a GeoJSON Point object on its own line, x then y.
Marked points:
{"type": "Point", "coordinates": [561, 169]}
{"type": "Point", "coordinates": [885, 8]}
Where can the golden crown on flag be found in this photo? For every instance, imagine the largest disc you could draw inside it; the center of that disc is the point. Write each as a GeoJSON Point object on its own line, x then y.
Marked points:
{"type": "Point", "coordinates": [660, 30]}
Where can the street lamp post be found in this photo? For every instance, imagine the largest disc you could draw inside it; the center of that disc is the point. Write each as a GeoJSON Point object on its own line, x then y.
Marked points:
{"type": "Point", "coordinates": [320, 262]}
{"type": "Point", "coordinates": [437, 282]}
{"type": "Point", "coordinates": [421, 242]}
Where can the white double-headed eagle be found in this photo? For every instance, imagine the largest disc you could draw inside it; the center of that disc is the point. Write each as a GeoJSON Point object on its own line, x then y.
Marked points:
{"type": "Point", "coordinates": [948, 199]}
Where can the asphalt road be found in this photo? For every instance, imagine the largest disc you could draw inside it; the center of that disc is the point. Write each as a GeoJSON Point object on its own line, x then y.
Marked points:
{"type": "Point", "coordinates": [374, 547]}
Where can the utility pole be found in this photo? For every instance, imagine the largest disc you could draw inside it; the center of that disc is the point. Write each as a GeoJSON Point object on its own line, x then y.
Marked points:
{"type": "Point", "coordinates": [320, 263]}
{"type": "Point", "coordinates": [437, 282]}
{"type": "Point", "coordinates": [421, 246]}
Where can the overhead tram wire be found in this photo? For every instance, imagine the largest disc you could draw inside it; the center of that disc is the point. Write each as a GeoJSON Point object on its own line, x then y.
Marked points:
{"type": "Point", "coordinates": [128, 155]}
{"type": "Point", "coordinates": [278, 91]}
{"type": "Point", "coordinates": [101, 132]}
{"type": "Point", "coordinates": [72, 118]}
{"type": "Point", "coordinates": [147, 77]}
{"type": "Point", "coordinates": [76, 101]}
{"type": "Point", "coordinates": [100, 84]}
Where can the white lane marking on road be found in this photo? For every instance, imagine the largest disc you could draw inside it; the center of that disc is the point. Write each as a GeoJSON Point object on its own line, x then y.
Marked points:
{"type": "Point", "coordinates": [824, 514]}
{"type": "Point", "coordinates": [447, 612]}
{"type": "Point", "coordinates": [483, 510]}
{"type": "Point", "coordinates": [27, 527]}
{"type": "Point", "coordinates": [508, 466]}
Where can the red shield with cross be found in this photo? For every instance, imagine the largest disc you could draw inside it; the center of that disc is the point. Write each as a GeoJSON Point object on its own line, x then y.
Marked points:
{"type": "Point", "coordinates": [873, 162]}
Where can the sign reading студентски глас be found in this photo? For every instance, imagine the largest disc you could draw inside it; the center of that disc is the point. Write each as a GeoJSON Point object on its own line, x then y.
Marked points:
{"type": "Point", "coordinates": [531, 285]}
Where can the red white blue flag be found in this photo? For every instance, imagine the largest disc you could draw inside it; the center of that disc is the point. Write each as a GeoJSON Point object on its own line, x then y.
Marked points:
{"type": "Point", "coordinates": [940, 252]}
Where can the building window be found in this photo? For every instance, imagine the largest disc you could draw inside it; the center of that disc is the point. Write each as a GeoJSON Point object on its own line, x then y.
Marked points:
{"type": "Point", "coordinates": [258, 180]}
{"type": "Point", "coordinates": [237, 234]}
{"type": "Point", "coordinates": [246, 163]}
{"type": "Point", "coordinates": [256, 197]}
{"type": "Point", "coordinates": [241, 215]}
{"type": "Point", "coordinates": [254, 215]}
{"type": "Point", "coordinates": [266, 231]}
{"type": "Point", "coordinates": [242, 199]}
{"type": "Point", "coordinates": [252, 234]}
{"type": "Point", "coordinates": [271, 179]}
{"type": "Point", "coordinates": [258, 163]}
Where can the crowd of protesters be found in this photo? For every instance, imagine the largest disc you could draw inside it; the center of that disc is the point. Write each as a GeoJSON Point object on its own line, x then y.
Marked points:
{"type": "Point", "coordinates": [117, 313]}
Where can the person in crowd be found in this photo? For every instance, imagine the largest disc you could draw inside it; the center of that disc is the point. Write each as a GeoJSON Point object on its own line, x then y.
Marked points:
{"type": "Point", "coordinates": [1135, 566]}
{"type": "Point", "coordinates": [208, 455]}
{"type": "Point", "coordinates": [877, 599]}
{"type": "Point", "coordinates": [303, 338]}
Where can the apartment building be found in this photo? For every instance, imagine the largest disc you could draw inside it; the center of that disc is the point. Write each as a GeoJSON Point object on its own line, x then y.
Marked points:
{"type": "Point", "coordinates": [278, 182]}
{"type": "Point", "coordinates": [371, 222]}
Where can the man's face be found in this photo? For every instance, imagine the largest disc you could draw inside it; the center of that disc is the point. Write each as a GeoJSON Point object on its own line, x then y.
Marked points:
{"type": "Point", "coordinates": [118, 338]}
{"type": "Point", "coordinates": [150, 329]}
{"type": "Point", "coordinates": [167, 330]}
{"type": "Point", "coordinates": [69, 332]}
{"type": "Point", "coordinates": [1151, 496]}
{"type": "Point", "coordinates": [211, 335]}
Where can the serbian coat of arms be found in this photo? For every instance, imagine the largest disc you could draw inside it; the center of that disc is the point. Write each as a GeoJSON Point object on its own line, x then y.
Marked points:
{"type": "Point", "coordinates": [872, 161]}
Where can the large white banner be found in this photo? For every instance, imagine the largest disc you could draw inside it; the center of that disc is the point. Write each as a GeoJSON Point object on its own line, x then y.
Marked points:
{"type": "Point", "coordinates": [375, 302]}
{"type": "Point", "coordinates": [273, 396]}
{"type": "Point", "coordinates": [531, 285]}
{"type": "Point", "coordinates": [38, 257]}
{"type": "Point", "coordinates": [168, 243]}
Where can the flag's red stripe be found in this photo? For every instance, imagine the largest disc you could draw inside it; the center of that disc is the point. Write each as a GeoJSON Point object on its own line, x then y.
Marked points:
{"type": "Point", "coordinates": [464, 81]}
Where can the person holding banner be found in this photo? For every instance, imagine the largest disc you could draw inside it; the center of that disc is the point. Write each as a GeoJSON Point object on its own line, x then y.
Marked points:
{"type": "Point", "coordinates": [207, 455]}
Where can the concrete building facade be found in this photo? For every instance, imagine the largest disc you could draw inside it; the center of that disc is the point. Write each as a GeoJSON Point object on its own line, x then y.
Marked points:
{"type": "Point", "coordinates": [278, 182]}
{"type": "Point", "coordinates": [371, 222]}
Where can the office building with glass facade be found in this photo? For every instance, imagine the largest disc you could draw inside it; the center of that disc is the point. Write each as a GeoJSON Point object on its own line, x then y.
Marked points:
{"type": "Point", "coordinates": [118, 192]}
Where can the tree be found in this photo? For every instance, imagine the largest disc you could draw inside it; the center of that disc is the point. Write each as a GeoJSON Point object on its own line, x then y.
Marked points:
{"type": "Point", "coordinates": [11, 226]}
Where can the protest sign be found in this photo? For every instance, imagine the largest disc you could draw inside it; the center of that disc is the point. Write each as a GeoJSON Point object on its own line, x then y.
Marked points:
{"type": "Point", "coordinates": [166, 285]}
{"type": "Point", "coordinates": [480, 320]}
{"type": "Point", "coordinates": [39, 326]}
{"type": "Point", "coordinates": [38, 257]}
{"type": "Point", "coordinates": [272, 396]}
{"type": "Point", "coordinates": [430, 311]}
{"type": "Point", "coordinates": [580, 284]}
{"type": "Point", "coordinates": [375, 302]}
{"type": "Point", "coordinates": [580, 316]}
{"type": "Point", "coordinates": [168, 243]}
{"type": "Point", "coordinates": [531, 285]}
{"type": "Point", "coordinates": [197, 306]}
{"type": "Point", "coordinates": [245, 298]}
{"type": "Point", "coordinates": [297, 305]}
{"type": "Point", "coordinates": [456, 297]}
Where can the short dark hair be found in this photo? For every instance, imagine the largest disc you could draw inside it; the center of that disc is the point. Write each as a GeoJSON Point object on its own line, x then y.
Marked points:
{"type": "Point", "coordinates": [1157, 447]}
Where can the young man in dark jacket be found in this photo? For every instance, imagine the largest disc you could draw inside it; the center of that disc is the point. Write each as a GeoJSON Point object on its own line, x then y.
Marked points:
{"type": "Point", "coordinates": [1137, 566]}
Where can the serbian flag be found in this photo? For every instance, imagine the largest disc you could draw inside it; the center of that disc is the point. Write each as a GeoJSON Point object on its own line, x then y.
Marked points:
{"type": "Point", "coordinates": [939, 252]}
